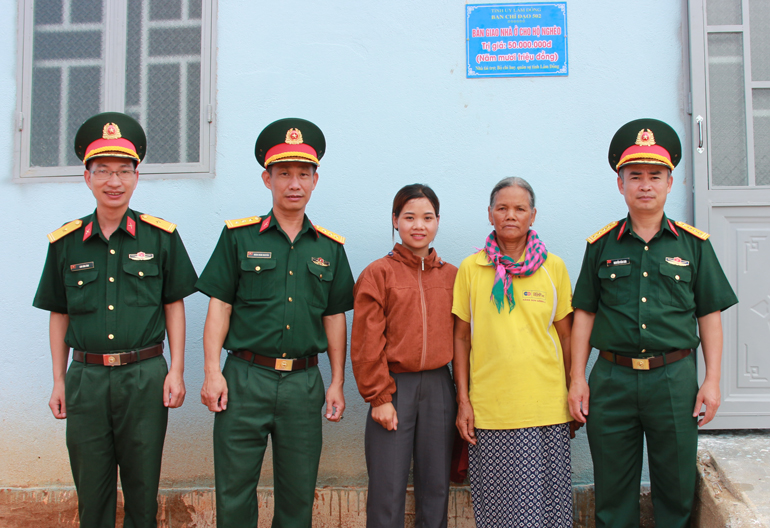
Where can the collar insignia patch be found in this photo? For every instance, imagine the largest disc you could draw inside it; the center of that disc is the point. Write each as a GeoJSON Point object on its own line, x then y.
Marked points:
{"type": "Point", "coordinates": [677, 261]}
{"type": "Point", "coordinates": [82, 266]}
{"type": "Point", "coordinates": [141, 256]}
{"type": "Point", "coordinates": [320, 261]}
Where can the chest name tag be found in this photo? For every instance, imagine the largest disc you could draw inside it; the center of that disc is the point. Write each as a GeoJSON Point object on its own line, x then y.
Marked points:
{"type": "Point", "coordinates": [677, 261]}
{"type": "Point", "coordinates": [141, 256]}
{"type": "Point", "coordinates": [618, 262]}
{"type": "Point", "coordinates": [81, 267]}
{"type": "Point", "coordinates": [259, 254]}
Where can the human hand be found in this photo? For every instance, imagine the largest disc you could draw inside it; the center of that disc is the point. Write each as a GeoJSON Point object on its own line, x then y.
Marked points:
{"type": "Point", "coordinates": [214, 392]}
{"type": "Point", "coordinates": [57, 403]}
{"type": "Point", "coordinates": [335, 402]}
{"type": "Point", "coordinates": [710, 396]}
{"type": "Point", "coordinates": [174, 389]}
{"type": "Point", "coordinates": [386, 416]}
{"type": "Point", "coordinates": [578, 400]}
{"type": "Point", "coordinates": [574, 425]}
{"type": "Point", "coordinates": [465, 422]}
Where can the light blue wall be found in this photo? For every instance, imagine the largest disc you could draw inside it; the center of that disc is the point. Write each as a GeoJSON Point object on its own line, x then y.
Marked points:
{"type": "Point", "coordinates": [386, 82]}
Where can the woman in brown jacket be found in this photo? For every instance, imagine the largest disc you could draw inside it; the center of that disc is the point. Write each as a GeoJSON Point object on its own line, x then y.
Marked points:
{"type": "Point", "coordinates": [400, 346]}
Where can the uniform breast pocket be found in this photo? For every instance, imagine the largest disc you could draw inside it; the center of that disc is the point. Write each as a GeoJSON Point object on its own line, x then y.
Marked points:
{"type": "Point", "coordinates": [615, 284]}
{"type": "Point", "coordinates": [258, 278]}
{"type": "Point", "coordinates": [143, 283]}
{"type": "Point", "coordinates": [320, 279]}
{"type": "Point", "coordinates": [81, 291]}
{"type": "Point", "coordinates": [676, 289]}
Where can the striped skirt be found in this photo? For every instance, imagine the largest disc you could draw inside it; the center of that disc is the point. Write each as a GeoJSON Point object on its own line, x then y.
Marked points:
{"type": "Point", "coordinates": [521, 478]}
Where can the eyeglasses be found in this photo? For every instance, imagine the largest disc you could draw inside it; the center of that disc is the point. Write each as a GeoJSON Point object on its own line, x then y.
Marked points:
{"type": "Point", "coordinates": [104, 174]}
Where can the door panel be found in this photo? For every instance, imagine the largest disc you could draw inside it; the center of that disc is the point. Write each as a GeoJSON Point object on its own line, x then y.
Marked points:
{"type": "Point", "coordinates": [730, 90]}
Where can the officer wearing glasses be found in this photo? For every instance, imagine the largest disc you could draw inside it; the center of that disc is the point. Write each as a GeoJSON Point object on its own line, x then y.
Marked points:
{"type": "Point", "coordinates": [114, 282]}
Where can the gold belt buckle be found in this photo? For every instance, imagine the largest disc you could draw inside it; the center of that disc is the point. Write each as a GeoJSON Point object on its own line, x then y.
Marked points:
{"type": "Point", "coordinates": [640, 363]}
{"type": "Point", "coordinates": [111, 360]}
{"type": "Point", "coordinates": [284, 364]}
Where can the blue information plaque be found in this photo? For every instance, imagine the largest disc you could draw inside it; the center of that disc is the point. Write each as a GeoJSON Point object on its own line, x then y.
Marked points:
{"type": "Point", "coordinates": [516, 40]}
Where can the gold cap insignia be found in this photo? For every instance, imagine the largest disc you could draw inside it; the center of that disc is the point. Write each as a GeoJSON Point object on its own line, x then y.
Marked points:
{"type": "Point", "coordinates": [111, 131]}
{"type": "Point", "coordinates": [645, 138]}
{"type": "Point", "coordinates": [294, 137]}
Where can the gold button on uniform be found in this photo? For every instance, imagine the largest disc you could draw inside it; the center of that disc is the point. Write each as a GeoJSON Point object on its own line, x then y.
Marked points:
{"type": "Point", "coordinates": [612, 276]}
{"type": "Point", "coordinates": [320, 275]}
{"type": "Point", "coordinates": [644, 350]}
{"type": "Point", "coordinates": [112, 252]}
{"type": "Point", "coordinates": [646, 248]}
{"type": "Point", "coordinates": [644, 326]}
{"type": "Point", "coordinates": [112, 279]}
{"type": "Point", "coordinates": [644, 299]}
{"type": "Point", "coordinates": [283, 355]}
{"type": "Point", "coordinates": [677, 277]}
{"type": "Point", "coordinates": [141, 274]}
{"type": "Point", "coordinates": [80, 283]}
{"type": "Point", "coordinates": [291, 273]}
{"type": "Point", "coordinates": [258, 268]}
{"type": "Point", "coordinates": [645, 273]}
{"type": "Point", "coordinates": [110, 307]}
{"type": "Point", "coordinates": [288, 327]}
{"type": "Point", "coordinates": [290, 299]}
{"type": "Point", "coordinates": [111, 336]}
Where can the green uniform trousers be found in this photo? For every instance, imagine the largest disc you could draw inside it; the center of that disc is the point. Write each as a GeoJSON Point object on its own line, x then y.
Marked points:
{"type": "Point", "coordinates": [116, 419]}
{"type": "Point", "coordinates": [627, 406]}
{"type": "Point", "coordinates": [287, 407]}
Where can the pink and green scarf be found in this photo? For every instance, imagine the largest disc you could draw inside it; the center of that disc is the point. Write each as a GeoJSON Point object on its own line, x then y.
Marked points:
{"type": "Point", "coordinates": [506, 268]}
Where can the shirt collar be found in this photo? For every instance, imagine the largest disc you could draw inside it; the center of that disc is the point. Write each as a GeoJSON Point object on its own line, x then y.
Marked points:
{"type": "Point", "coordinates": [665, 225]}
{"type": "Point", "coordinates": [127, 224]}
{"type": "Point", "coordinates": [269, 222]}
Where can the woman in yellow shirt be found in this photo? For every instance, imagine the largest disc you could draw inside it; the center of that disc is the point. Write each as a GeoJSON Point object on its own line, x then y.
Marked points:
{"type": "Point", "coordinates": [513, 319]}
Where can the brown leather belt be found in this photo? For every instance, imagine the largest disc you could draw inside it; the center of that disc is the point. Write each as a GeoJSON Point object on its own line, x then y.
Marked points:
{"type": "Point", "coordinates": [282, 364]}
{"type": "Point", "coordinates": [119, 359]}
{"type": "Point", "coordinates": [648, 362]}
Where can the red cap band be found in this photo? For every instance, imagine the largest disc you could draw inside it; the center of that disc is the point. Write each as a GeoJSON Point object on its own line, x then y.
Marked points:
{"type": "Point", "coordinates": [653, 154]}
{"type": "Point", "coordinates": [287, 152]}
{"type": "Point", "coordinates": [119, 148]}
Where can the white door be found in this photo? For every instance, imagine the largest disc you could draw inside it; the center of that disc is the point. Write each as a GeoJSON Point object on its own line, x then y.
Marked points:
{"type": "Point", "coordinates": [730, 85]}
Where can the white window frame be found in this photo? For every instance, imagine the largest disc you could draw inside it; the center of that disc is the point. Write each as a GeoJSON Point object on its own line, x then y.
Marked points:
{"type": "Point", "coordinates": [113, 96]}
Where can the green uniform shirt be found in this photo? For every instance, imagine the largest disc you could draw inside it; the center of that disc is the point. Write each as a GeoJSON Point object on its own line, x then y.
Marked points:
{"type": "Point", "coordinates": [279, 289]}
{"type": "Point", "coordinates": [114, 290]}
{"type": "Point", "coordinates": [647, 295]}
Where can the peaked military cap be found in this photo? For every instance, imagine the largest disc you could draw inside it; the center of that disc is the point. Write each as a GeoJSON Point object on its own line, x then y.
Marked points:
{"type": "Point", "coordinates": [645, 141]}
{"type": "Point", "coordinates": [110, 134]}
{"type": "Point", "coordinates": [290, 139]}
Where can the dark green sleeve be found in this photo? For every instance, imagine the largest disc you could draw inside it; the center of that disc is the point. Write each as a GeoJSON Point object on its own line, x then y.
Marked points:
{"type": "Point", "coordinates": [51, 294]}
{"type": "Point", "coordinates": [220, 276]}
{"type": "Point", "coordinates": [712, 290]}
{"type": "Point", "coordinates": [178, 272]}
{"type": "Point", "coordinates": [341, 293]}
{"type": "Point", "coordinates": [587, 287]}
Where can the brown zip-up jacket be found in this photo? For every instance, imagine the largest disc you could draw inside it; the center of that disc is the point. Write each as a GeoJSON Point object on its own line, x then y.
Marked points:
{"type": "Point", "coordinates": [402, 320]}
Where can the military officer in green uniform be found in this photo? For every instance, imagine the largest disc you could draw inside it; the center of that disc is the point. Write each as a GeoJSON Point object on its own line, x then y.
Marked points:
{"type": "Point", "coordinates": [114, 282]}
{"type": "Point", "coordinates": [279, 288]}
{"type": "Point", "coordinates": [649, 291]}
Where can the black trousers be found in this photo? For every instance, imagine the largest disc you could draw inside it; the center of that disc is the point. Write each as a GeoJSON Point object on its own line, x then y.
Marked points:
{"type": "Point", "coordinates": [425, 403]}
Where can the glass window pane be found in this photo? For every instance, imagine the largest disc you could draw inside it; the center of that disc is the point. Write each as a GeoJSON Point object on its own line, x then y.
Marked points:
{"type": "Point", "coordinates": [759, 19]}
{"type": "Point", "coordinates": [163, 77]}
{"type": "Point", "coordinates": [723, 12]}
{"type": "Point", "coordinates": [67, 72]}
{"type": "Point", "coordinates": [761, 100]}
{"type": "Point", "coordinates": [727, 109]}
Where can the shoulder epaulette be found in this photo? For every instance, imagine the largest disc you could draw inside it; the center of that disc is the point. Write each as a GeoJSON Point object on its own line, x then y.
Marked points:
{"type": "Point", "coordinates": [66, 229]}
{"type": "Point", "coordinates": [242, 222]}
{"type": "Point", "coordinates": [158, 222]}
{"type": "Point", "coordinates": [334, 236]}
{"type": "Point", "coordinates": [693, 230]}
{"type": "Point", "coordinates": [603, 231]}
